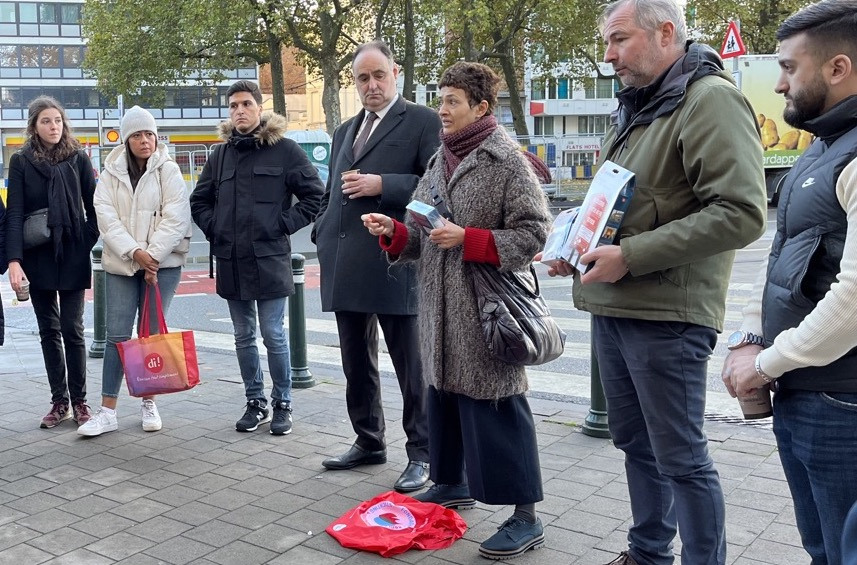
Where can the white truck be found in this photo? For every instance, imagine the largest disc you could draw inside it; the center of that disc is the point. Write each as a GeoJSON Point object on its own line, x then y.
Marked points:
{"type": "Point", "coordinates": [757, 76]}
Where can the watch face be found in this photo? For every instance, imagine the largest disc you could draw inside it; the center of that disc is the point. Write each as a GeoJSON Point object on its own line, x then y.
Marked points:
{"type": "Point", "coordinates": [736, 339]}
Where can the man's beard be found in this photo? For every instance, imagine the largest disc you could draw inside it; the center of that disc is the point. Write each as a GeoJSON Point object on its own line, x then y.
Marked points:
{"type": "Point", "coordinates": [807, 105]}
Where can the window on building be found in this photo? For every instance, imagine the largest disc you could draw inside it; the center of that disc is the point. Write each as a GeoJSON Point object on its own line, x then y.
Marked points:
{"type": "Point", "coordinates": [9, 56]}
{"type": "Point", "coordinates": [538, 90]}
{"type": "Point", "coordinates": [70, 13]}
{"type": "Point", "coordinates": [563, 91]}
{"type": "Point", "coordinates": [431, 93]}
{"type": "Point", "coordinates": [190, 97]}
{"type": "Point", "coordinates": [592, 124]}
{"type": "Point", "coordinates": [8, 19]}
{"type": "Point", "coordinates": [578, 158]}
{"type": "Point", "coordinates": [51, 56]}
{"type": "Point", "coordinates": [11, 97]}
{"type": "Point", "coordinates": [72, 97]}
{"type": "Point", "coordinates": [72, 56]}
{"type": "Point", "coordinates": [209, 96]}
{"type": "Point", "coordinates": [29, 13]}
{"type": "Point", "coordinates": [29, 56]}
{"type": "Point", "coordinates": [47, 13]}
{"type": "Point", "coordinates": [602, 88]}
{"type": "Point", "coordinates": [543, 125]}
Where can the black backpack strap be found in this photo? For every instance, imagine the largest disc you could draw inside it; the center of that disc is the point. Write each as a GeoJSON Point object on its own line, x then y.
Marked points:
{"type": "Point", "coordinates": [439, 203]}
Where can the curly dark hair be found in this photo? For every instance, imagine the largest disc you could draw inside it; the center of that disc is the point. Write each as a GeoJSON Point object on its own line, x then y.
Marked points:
{"type": "Point", "coordinates": [65, 147]}
{"type": "Point", "coordinates": [479, 81]}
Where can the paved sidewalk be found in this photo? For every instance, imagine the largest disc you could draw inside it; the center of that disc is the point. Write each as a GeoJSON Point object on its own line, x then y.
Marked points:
{"type": "Point", "coordinates": [198, 492]}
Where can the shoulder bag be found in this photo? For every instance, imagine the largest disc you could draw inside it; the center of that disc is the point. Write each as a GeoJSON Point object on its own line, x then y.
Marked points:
{"type": "Point", "coordinates": [515, 319]}
{"type": "Point", "coordinates": [36, 231]}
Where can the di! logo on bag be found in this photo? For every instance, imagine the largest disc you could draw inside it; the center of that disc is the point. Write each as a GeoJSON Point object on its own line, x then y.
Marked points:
{"type": "Point", "coordinates": [161, 363]}
{"type": "Point", "coordinates": [392, 523]}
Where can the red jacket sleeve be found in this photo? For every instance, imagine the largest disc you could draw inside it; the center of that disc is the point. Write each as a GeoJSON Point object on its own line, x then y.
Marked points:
{"type": "Point", "coordinates": [396, 244]}
{"type": "Point", "coordinates": [479, 246]}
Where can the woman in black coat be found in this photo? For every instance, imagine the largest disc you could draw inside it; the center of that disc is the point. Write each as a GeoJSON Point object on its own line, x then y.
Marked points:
{"type": "Point", "coordinates": [51, 172]}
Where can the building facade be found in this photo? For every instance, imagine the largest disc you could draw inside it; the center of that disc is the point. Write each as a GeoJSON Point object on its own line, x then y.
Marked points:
{"type": "Point", "coordinates": [41, 52]}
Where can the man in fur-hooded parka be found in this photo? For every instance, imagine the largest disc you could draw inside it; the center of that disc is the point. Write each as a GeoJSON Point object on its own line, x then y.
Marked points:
{"type": "Point", "coordinates": [243, 205]}
{"type": "Point", "coordinates": [493, 188]}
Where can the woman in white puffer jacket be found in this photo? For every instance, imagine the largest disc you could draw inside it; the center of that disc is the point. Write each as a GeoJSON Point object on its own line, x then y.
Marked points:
{"type": "Point", "coordinates": [144, 218]}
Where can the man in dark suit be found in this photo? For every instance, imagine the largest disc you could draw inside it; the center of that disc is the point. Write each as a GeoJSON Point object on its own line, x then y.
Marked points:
{"type": "Point", "coordinates": [377, 159]}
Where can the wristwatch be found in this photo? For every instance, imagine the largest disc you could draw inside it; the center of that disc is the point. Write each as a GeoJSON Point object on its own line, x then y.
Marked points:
{"type": "Point", "coordinates": [741, 338]}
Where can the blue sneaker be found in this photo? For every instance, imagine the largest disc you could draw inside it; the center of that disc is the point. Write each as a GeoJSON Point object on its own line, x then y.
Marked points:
{"type": "Point", "coordinates": [514, 537]}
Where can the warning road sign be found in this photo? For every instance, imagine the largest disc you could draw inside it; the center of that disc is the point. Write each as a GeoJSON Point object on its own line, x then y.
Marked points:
{"type": "Point", "coordinates": [732, 44]}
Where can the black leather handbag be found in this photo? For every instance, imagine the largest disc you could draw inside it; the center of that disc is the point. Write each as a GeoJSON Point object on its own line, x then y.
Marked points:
{"type": "Point", "coordinates": [36, 231]}
{"type": "Point", "coordinates": [516, 321]}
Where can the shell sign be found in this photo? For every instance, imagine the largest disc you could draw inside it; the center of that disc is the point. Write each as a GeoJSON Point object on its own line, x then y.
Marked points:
{"type": "Point", "coordinates": [112, 136]}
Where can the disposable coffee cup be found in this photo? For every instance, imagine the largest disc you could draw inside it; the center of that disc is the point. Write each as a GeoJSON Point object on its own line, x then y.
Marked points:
{"type": "Point", "coordinates": [23, 294]}
{"type": "Point", "coordinates": [350, 172]}
{"type": "Point", "coordinates": [757, 405]}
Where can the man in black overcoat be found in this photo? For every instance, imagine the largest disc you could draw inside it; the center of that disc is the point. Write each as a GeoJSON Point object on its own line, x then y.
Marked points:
{"type": "Point", "coordinates": [377, 159]}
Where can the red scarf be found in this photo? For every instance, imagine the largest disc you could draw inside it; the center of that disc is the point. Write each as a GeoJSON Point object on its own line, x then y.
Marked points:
{"type": "Point", "coordinates": [459, 144]}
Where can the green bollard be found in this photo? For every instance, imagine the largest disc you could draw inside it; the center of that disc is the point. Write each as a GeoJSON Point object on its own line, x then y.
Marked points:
{"type": "Point", "coordinates": [301, 377]}
{"type": "Point", "coordinates": [99, 296]}
{"type": "Point", "coordinates": [595, 424]}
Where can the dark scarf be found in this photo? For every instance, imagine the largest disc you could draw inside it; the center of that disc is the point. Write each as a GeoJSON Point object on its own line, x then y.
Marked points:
{"type": "Point", "coordinates": [458, 145]}
{"type": "Point", "coordinates": [64, 199]}
{"type": "Point", "coordinates": [244, 141]}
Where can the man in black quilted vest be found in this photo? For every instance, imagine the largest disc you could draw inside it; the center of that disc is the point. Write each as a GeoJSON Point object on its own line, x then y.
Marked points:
{"type": "Point", "coordinates": [804, 311]}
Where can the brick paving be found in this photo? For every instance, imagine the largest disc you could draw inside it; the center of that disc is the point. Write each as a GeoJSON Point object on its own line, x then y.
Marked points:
{"type": "Point", "coordinates": [200, 493]}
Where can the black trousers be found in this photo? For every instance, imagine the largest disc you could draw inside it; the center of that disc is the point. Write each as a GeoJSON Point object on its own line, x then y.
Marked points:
{"type": "Point", "coordinates": [358, 340]}
{"type": "Point", "coordinates": [63, 345]}
{"type": "Point", "coordinates": [489, 445]}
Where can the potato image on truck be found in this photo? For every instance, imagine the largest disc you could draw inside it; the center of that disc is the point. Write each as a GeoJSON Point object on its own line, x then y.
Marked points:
{"type": "Point", "coordinates": [757, 77]}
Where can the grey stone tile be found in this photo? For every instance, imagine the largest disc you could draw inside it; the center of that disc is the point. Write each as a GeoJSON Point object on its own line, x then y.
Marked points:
{"type": "Point", "coordinates": [179, 550]}
{"type": "Point", "coordinates": [88, 506]}
{"type": "Point", "coordinates": [121, 545]}
{"type": "Point", "coordinates": [125, 492]}
{"type": "Point", "coordinates": [159, 528]}
{"type": "Point", "coordinates": [301, 554]}
{"type": "Point", "coordinates": [81, 557]}
{"type": "Point", "coordinates": [13, 534]}
{"type": "Point", "coordinates": [109, 476]}
{"type": "Point", "coordinates": [24, 553]}
{"type": "Point", "coordinates": [141, 509]}
{"type": "Point", "coordinates": [48, 521]}
{"type": "Point", "coordinates": [216, 533]}
{"type": "Point", "coordinates": [195, 513]}
{"type": "Point", "coordinates": [103, 526]}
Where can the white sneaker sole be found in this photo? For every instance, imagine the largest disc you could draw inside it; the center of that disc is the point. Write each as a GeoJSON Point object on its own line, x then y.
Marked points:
{"type": "Point", "coordinates": [153, 427]}
{"type": "Point", "coordinates": [94, 433]}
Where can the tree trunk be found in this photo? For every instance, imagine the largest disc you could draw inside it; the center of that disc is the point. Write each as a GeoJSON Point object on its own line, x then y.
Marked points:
{"type": "Point", "coordinates": [275, 46]}
{"type": "Point", "coordinates": [330, 94]}
{"type": "Point", "coordinates": [508, 65]}
{"type": "Point", "coordinates": [410, 52]}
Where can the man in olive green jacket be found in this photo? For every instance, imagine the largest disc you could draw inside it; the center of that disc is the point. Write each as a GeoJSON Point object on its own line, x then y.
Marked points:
{"type": "Point", "coordinates": [658, 296]}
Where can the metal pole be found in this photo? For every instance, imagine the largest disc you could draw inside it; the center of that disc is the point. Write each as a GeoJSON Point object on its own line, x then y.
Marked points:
{"type": "Point", "coordinates": [595, 424]}
{"type": "Point", "coordinates": [99, 296]}
{"type": "Point", "coordinates": [301, 377]}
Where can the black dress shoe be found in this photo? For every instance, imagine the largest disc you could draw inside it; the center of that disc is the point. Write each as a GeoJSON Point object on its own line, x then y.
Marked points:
{"type": "Point", "coordinates": [414, 477]}
{"type": "Point", "coordinates": [354, 457]}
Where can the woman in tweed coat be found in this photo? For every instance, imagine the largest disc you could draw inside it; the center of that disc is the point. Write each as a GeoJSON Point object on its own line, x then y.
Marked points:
{"type": "Point", "coordinates": [482, 440]}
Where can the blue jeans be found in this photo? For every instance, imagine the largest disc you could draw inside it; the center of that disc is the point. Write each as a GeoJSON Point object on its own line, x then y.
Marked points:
{"type": "Point", "coordinates": [818, 449]}
{"type": "Point", "coordinates": [271, 316]}
{"type": "Point", "coordinates": [654, 377]}
{"type": "Point", "coordinates": [123, 308]}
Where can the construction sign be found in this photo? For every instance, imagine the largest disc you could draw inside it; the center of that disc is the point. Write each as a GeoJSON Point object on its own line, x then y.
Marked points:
{"type": "Point", "coordinates": [732, 44]}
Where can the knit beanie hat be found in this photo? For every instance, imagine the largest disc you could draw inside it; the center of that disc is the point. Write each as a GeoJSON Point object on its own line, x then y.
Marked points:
{"type": "Point", "coordinates": [137, 119]}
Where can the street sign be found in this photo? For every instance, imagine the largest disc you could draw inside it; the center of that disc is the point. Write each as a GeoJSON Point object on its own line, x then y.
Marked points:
{"type": "Point", "coordinates": [732, 46]}
{"type": "Point", "coordinates": [112, 136]}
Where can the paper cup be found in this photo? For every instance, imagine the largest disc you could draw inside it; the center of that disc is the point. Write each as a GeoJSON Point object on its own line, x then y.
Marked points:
{"type": "Point", "coordinates": [757, 405]}
{"type": "Point", "coordinates": [23, 294]}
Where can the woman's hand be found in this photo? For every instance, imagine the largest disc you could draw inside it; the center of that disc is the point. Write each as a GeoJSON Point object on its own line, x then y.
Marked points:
{"type": "Point", "coordinates": [16, 275]}
{"type": "Point", "coordinates": [447, 237]}
{"type": "Point", "coordinates": [378, 224]}
{"type": "Point", "coordinates": [146, 261]}
{"type": "Point", "coordinates": [151, 278]}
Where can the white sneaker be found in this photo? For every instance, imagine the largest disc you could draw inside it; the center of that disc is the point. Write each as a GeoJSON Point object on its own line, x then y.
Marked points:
{"type": "Point", "coordinates": [151, 418]}
{"type": "Point", "coordinates": [100, 422]}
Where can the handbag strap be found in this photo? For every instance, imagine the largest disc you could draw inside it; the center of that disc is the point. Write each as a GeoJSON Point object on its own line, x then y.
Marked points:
{"type": "Point", "coordinates": [439, 203]}
{"type": "Point", "coordinates": [143, 330]}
